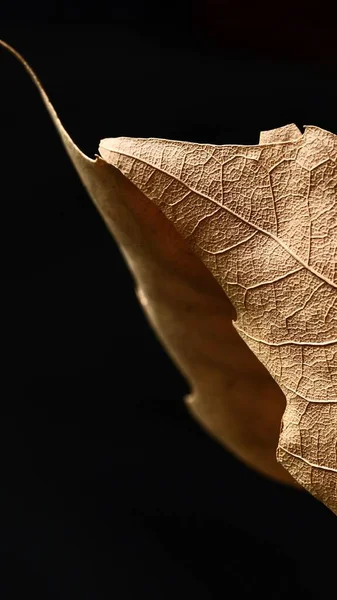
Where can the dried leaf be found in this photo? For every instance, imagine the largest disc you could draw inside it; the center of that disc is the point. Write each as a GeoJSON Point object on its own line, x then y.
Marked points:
{"type": "Point", "coordinates": [233, 249]}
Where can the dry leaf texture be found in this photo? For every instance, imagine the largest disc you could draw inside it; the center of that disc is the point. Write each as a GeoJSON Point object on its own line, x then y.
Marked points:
{"type": "Point", "coordinates": [263, 219]}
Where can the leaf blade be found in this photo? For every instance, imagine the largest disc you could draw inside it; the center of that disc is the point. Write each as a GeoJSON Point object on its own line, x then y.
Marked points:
{"type": "Point", "coordinates": [264, 251]}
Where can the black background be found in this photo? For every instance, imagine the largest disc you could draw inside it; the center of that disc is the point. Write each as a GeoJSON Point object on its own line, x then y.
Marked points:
{"type": "Point", "coordinates": [107, 484]}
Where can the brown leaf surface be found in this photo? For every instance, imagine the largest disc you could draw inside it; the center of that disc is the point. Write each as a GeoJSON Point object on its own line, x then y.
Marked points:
{"type": "Point", "coordinates": [233, 249]}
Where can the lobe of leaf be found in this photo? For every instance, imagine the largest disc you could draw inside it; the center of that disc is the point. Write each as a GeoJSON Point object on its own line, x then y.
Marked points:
{"type": "Point", "coordinates": [262, 220]}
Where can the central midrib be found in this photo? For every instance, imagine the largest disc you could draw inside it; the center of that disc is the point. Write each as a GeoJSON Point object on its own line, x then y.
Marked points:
{"type": "Point", "coordinates": [203, 195]}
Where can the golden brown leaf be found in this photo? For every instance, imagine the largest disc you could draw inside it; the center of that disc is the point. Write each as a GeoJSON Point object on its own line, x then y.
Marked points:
{"type": "Point", "coordinates": [233, 249]}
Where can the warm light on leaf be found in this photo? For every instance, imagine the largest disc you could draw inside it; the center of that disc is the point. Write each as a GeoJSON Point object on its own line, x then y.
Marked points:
{"type": "Point", "coordinates": [234, 250]}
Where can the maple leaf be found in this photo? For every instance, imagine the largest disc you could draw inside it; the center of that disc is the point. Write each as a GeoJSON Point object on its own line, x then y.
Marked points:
{"type": "Point", "coordinates": [233, 250]}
